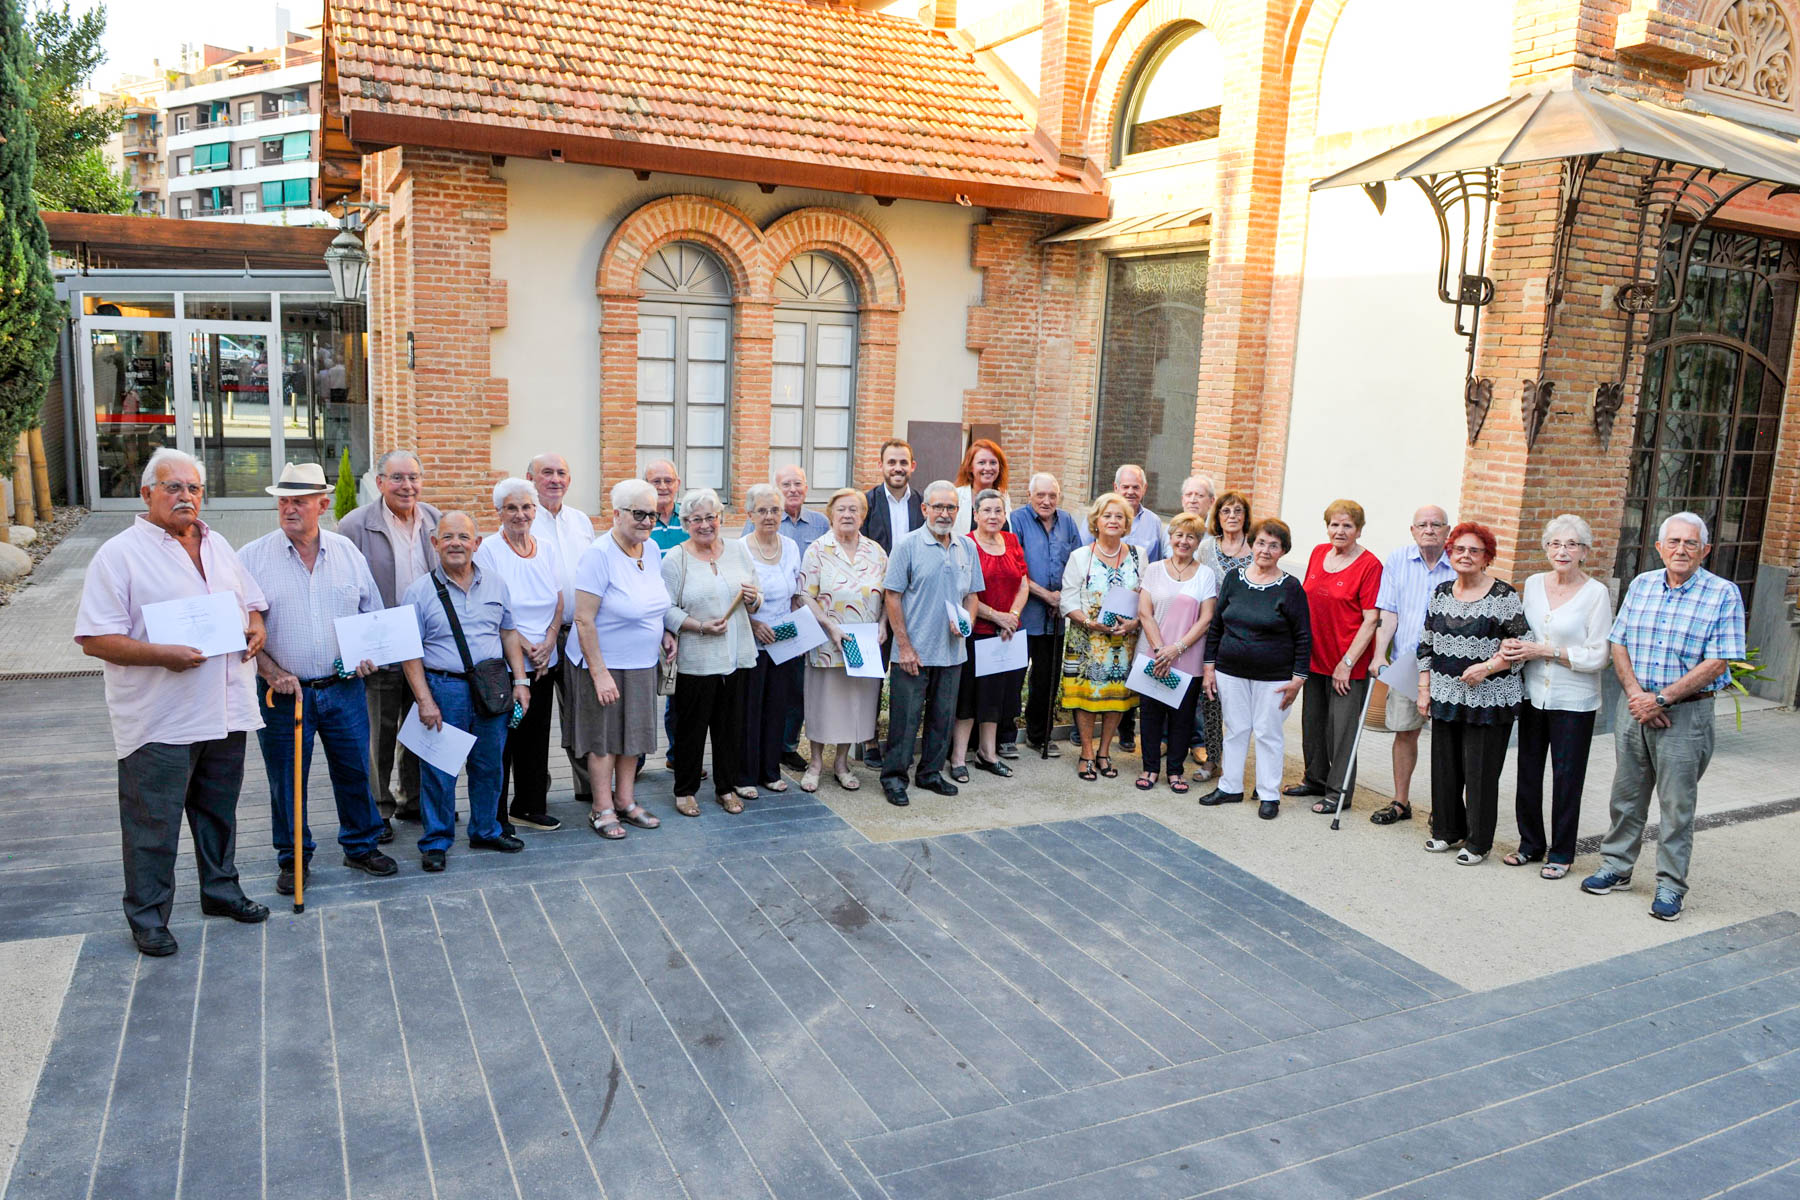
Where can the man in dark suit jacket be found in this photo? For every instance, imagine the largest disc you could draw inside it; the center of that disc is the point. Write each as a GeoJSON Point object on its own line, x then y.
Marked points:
{"type": "Point", "coordinates": [895, 489]}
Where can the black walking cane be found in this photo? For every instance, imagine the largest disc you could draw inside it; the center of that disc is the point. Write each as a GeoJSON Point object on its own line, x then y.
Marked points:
{"type": "Point", "coordinates": [1362, 721]}
{"type": "Point", "coordinates": [1055, 635]}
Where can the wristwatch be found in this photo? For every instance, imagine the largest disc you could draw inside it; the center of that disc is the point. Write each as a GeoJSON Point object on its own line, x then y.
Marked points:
{"type": "Point", "coordinates": [1662, 701]}
{"type": "Point", "coordinates": [521, 683]}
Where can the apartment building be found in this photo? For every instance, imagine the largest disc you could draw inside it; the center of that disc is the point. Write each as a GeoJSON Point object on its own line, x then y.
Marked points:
{"type": "Point", "coordinates": [241, 136]}
{"type": "Point", "coordinates": [136, 150]}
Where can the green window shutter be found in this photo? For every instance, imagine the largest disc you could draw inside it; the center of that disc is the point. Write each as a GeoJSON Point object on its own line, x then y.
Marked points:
{"type": "Point", "coordinates": [271, 194]}
{"type": "Point", "coordinates": [297, 191]}
{"type": "Point", "coordinates": [296, 145]}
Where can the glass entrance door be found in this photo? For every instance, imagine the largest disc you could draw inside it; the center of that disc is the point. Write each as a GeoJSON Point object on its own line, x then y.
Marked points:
{"type": "Point", "coordinates": [134, 403]}
{"type": "Point", "coordinates": [229, 426]}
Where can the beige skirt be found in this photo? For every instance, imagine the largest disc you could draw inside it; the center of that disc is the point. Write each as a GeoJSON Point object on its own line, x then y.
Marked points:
{"type": "Point", "coordinates": [627, 725]}
{"type": "Point", "coordinates": [840, 709]}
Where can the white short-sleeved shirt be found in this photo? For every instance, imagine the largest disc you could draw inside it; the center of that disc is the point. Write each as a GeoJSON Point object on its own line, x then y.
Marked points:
{"type": "Point", "coordinates": [531, 584]}
{"type": "Point", "coordinates": [632, 602]}
{"type": "Point", "coordinates": [145, 565]}
{"type": "Point", "coordinates": [777, 580]}
{"type": "Point", "coordinates": [569, 533]}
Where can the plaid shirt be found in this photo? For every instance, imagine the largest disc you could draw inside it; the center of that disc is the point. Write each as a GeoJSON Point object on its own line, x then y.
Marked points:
{"type": "Point", "coordinates": [1667, 631]}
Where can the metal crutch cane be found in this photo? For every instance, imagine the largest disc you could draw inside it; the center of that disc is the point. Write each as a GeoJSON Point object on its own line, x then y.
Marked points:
{"type": "Point", "coordinates": [1355, 748]}
{"type": "Point", "coordinates": [299, 805]}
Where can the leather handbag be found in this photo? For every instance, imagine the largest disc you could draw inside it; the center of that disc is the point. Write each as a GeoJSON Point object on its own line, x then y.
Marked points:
{"type": "Point", "coordinates": [489, 682]}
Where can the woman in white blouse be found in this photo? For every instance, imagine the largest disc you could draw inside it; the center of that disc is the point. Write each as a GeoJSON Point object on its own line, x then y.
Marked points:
{"type": "Point", "coordinates": [531, 581]}
{"type": "Point", "coordinates": [713, 593]}
{"type": "Point", "coordinates": [1570, 615]}
{"type": "Point", "coordinates": [766, 696]}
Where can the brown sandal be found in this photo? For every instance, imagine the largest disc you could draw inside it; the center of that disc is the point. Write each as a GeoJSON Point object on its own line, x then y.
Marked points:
{"type": "Point", "coordinates": [639, 817]}
{"type": "Point", "coordinates": [731, 804]}
{"type": "Point", "coordinates": [687, 806]}
{"type": "Point", "coordinates": [606, 824]}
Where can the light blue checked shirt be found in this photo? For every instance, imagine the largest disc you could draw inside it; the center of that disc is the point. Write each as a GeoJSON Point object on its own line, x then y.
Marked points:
{"type": "Point", "coordinates": [304, 604]}
{"type": "Point", "coordinates": [1669, 631]}
{"type": "Point", "coordinates": [1406, 587]}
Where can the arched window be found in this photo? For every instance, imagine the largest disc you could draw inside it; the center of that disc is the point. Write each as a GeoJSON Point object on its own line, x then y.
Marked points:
{"type": "Point", "coordinates": [684, 364]}
{"type": "Point", "coordinates": [1176, 95]}
{"type": "Point", "coordinates": [813, 375]}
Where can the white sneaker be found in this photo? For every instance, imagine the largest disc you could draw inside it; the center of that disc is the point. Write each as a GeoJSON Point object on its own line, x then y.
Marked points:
{"type": "Point", "coordinates": [1438, 846]}
{"type": "Point", "coordinates": [1468, 858]}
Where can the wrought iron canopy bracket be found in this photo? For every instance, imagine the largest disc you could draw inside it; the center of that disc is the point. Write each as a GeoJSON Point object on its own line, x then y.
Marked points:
{"type": "Point", "coordinates": [1672, 193]}
{"type": "Point", "coordinates": [1463, 203]}
{"type": "Point", "coordinates": [1539, 393]}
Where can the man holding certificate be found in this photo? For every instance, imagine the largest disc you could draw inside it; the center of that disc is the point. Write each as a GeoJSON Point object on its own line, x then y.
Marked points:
{"type": "Point", "coordinates": [311, 578]}
{"type": "Point", "coordinates": [471, 650]}
{"type": "Point", "coordinates": [178, 714]}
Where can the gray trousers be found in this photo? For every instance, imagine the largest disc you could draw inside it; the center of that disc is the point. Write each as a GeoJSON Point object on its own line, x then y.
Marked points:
{"type": "Point", "coordinates": [158, 783]}
{"type": "Point", "coordinates": [1669, 762]}
{"type": "Point", "coordinates": [388, 699]}
{"type": "Point", "coordinates": [929, 698]}
{"type": "Point", "coordinates": [565, 707]}
{"type": "Point", "coordinates": [1328, 731]}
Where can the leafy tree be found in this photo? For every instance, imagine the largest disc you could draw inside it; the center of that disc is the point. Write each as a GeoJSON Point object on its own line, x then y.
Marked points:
{"type": "Point", "coordinates": [345, 499]}
{"type": "Point", "coordinates": [29, 311]}
{"type": "Point", "coordinates": [72, 171]}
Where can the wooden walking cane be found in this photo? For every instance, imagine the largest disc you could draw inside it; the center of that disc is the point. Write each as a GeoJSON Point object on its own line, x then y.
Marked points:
{"type": "Point", "coordinates": [299, 805]}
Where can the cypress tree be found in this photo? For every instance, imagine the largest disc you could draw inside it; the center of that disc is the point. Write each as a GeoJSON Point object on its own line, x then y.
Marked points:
{"type": "Point", "coordinates": [29, 311]}
{"type": "Point", "coordinates": [345, 499]}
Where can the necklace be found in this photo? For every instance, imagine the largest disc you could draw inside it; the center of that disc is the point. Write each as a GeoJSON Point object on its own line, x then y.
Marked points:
{"type": "Point", "coordinates": [1193, 565]}
{"type": "Point", "coordinates": [1118, 556]}
{"type": "Point", "coordinates": [637, 558]}
{"type": "Point", "coordinates": [769, 556]}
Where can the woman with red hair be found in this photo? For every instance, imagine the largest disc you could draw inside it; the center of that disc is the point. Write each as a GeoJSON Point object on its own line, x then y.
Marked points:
{"type": "Point", "coordinates": [1471, 693]}
{"type": "Point", "coordinates": [983, 466]}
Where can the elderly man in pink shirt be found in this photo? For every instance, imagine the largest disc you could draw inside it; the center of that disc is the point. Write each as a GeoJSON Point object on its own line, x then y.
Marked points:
{"type": "Point", "coordinates": [178, 717]}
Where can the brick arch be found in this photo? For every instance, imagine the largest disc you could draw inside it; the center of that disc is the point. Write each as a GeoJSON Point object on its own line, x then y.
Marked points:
{"type": "Point", "coordinates": [751, 257]}
{"type": "Point", "coordinates": [849, 239]}
{"type": "Point", "coordinates": [1136, 34]}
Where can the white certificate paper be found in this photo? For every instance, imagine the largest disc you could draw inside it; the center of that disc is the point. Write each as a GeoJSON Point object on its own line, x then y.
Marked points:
{"type": "Point", "coordinates": [212, 624]}
{"type": "Point", "coordinates": [996, 655]}
{"type": "Point", "coordinates": [1167, 691]}
{"type": "Point", "coordinates": [445, 747]}
{"type": "Point", "coordinates": [1120, 600]}
{"type": "Point", "coordinates": [388, 635]}
{"type": "Point", "coordinates": [959, 619]}
{"type": "Point", "coordinates": [867, 636]}
{"type": "Point", "coordinates": [795, 634]}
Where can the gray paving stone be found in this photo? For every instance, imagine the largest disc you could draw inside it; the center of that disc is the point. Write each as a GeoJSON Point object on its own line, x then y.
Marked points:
{"type": "Point", "coordinates": [609, 1118]}
{"type": "Point", "coordinates": [928, 1054]}
{"type": "Point", "coordinates": [467, 1157]}
{"type": "Point", "coordinates": [222, 1153]}
{"type": "Point", "coordinates": [882, 1081]}
{"type": "Point", "coordinates": [709, 1158]}
{"type": "Point", "coordinates": [56, 1156]}
{"type": "Point", "coordinates": [1708, 1164]}
{"type": "Point", "coordinates": [1776, 1185]}
{"type": "Point", "coordinates": [304, 1130]}
{"type": "Point", "coordinates": [1165, 1038]}
{"type": "Point", "coordinates": [149, 1089]}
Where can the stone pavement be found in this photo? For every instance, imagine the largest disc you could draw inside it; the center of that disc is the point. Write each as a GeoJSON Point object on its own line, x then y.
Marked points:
{"type": "Point", "coordinates": [1085, 1003]}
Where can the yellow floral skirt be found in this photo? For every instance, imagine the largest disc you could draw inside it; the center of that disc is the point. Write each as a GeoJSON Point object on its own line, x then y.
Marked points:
{"type": "Point", "coordinates": [1094, 669]}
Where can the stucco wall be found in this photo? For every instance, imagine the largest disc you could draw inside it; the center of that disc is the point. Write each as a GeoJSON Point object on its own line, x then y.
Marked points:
{"type": "Point", "coordinates": [558, 220]}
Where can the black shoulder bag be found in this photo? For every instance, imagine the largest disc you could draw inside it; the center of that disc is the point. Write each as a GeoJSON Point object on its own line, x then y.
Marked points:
{"type": "Point", "coordinates": [491, 681]}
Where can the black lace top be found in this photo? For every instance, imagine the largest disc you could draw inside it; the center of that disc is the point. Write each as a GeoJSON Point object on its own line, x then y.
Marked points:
{"type": "Point", "coordinates": [1460, 634]}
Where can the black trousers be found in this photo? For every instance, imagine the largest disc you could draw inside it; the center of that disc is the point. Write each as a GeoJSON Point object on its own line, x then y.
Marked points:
{"type": "Point", "coordinates": [767, 703]}
{"type": "Point", "coordinates": [1328, 731]}
{"type": "Point", "coordinates": [1465, 781]}
{"type": "Point", "coordinates": [158, 783]}
{"type": "Point", "coordinates": [1176, 724]}
{"type": "Point", "coordinates": [1043, 675]}
{"type": "Point", "coordinates": [1566, 737]}
{"type": "Point", "coordinates": [928, 699]}
{"type": "Point", "coordinates": [565, 711]}
{"type": "Point", "coordinates": [706, 704]}
{"type": "Point", "coordinates": [525, 763]}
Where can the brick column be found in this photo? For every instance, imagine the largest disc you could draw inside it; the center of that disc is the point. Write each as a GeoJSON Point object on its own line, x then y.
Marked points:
{"type": "Point", "coordinates": [1067, 50]}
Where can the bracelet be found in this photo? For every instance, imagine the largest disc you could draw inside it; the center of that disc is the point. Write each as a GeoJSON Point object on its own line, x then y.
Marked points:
{"type": "Point", "coordinates": [521, 683]}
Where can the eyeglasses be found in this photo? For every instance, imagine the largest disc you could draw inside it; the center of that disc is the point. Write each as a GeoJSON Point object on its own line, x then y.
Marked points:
{"type": "Point", "coordinates": [710, 520]}
{"type": "Point", "coordinates": [643, 516]}
{"type": "Point", "coordinates": [1562, 545]}
{"type": "Point", "coordinates": [1470, 550]}
{"type": "Point", "coordinates": [1690, 544]}
{"type": "Point", "coordinates": [765, 512]}
{"type": "Point", "coordinates": [402, 478]}
{"type": "Point", "coordinates": [940, 508]}
{"type": "Point", "coordinates": [171, 488]}
{"type": "Point", "coordinates": [1430, 524]}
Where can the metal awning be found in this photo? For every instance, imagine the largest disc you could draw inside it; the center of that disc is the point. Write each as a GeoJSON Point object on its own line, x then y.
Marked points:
{"type": "Point", "coordinates": [1573, 121]}
{"type": "Point", "coordinates": [1157, 222]}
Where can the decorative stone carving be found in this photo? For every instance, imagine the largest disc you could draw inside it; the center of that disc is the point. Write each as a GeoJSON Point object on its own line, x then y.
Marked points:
{"type": "Point", "coordinates": [1760, 53]}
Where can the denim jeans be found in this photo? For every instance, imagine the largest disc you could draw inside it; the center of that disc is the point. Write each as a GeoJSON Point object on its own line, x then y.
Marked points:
{"type": "Point", "coordinates": [340, 717]}
{"type": "Point", "coordinates": [437, 791]}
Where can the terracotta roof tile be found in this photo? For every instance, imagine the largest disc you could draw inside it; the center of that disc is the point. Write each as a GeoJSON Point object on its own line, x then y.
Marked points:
{"type": "Point", "coordinates": [824, 85]}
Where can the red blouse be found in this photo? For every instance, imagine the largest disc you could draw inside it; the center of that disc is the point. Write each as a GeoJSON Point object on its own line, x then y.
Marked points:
{"type": "Point", "coordinates": [1004, 575]}
{"type": "Point", "coordinates": [1337, 603]}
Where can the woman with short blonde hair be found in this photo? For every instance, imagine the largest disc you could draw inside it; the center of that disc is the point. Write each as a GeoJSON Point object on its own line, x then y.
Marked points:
{"type": "Point", "coordinates": [1097, 646]}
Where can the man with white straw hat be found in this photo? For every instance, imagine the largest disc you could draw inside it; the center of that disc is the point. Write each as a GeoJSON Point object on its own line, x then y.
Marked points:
{"type": "Point", "coordinates": [310, 578]}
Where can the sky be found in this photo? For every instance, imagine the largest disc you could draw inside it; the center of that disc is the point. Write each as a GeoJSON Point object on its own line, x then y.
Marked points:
{"type": "Point", "coordinates": [141, 31]}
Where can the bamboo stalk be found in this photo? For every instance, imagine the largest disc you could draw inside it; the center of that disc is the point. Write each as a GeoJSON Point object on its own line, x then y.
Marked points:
{"type": "Point", "coordinates": [23, 513]}
{"type": "Point", "coordinates": [40, 474]}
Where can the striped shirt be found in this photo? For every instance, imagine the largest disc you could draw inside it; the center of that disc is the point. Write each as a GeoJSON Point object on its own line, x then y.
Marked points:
{"type": "Point", "coordinates": [1406, 587]}
{"type": "Point", "coordinates": [1668, 631]}
{"type": "Point", "coordinates": [303, 604]}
